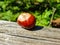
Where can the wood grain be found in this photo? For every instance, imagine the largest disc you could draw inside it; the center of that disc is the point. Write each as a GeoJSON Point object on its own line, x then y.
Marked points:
{"type": "Point", "coordinates": [11, 33]}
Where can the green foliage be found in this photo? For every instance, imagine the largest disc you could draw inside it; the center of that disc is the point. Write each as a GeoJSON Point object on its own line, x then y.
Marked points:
{"type": "Point", "coordinates": [44, 18]}
{"type": "Point", "coordinates": [41, 9]}
{"type": "Point", "coordinates": [8, 15]}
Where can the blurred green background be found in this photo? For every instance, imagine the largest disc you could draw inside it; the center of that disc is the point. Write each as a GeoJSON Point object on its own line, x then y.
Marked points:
{"type": "Point", "coordinates": [41, 9]}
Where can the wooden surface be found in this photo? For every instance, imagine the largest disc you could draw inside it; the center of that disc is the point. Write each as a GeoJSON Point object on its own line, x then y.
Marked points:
{"type": "Point", "coordinates": [12, 34]}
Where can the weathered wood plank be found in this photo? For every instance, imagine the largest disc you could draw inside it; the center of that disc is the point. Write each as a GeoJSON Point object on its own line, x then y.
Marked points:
{"type": "Point", "coordinates": [45, 36]}
{"type": "Point", "coordinates": [13, 40]}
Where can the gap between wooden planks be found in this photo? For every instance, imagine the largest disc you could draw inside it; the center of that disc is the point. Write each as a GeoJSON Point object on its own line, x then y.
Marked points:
{"type": "Point", "coordinates": [16, 35]}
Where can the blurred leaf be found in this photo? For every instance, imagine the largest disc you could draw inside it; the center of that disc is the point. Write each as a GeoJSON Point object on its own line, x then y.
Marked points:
{"type": "Point", "coordinates": [40, 0]}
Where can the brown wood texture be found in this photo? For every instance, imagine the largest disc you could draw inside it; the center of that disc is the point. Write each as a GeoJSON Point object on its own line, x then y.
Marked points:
{"type": "Point", "coordinates": [12, 34]}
